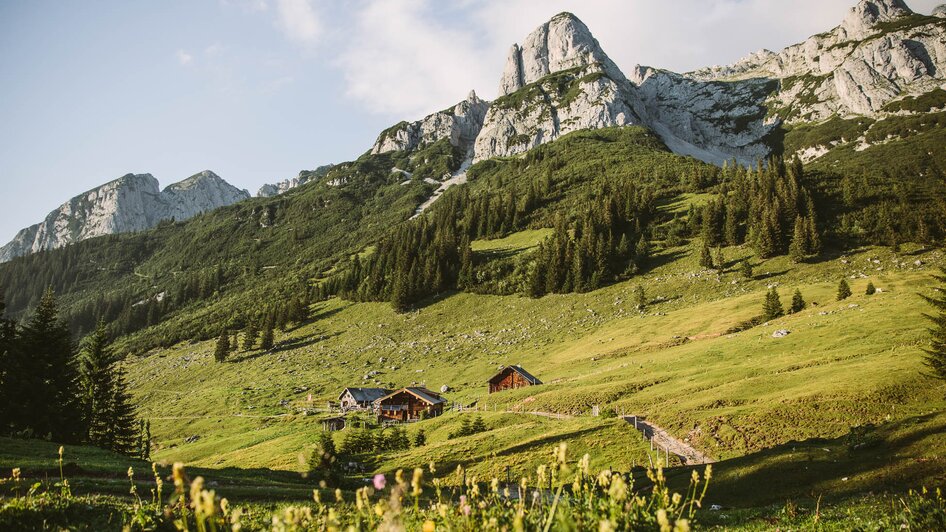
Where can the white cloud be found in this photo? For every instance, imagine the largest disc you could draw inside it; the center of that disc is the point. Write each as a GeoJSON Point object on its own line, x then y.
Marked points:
{"type": "Point", "coordinates": [298, 20]}
{"type": "Point", "coordinates": [184, 58]}
{"type": "Point", "coordinates": [400, 59]}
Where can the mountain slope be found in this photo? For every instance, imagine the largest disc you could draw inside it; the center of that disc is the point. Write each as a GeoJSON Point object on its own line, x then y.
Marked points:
{"type": "Point", "coordinates": [130, 203]}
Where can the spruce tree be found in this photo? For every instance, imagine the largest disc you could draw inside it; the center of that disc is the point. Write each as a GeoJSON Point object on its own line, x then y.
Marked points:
{"type": "Point", "coordinates": [772, 307]}
{"type": "Point", "coordinates": [250, 335]}
{"type": "Point", "coordinates": [935, 358]}
{"type": "Point", "coordinates": [7, 345]}
{"type": "Point", "coordinates": [45, 390]}
{"type": "Point", "coordinates": [799, 247]}
{"type": "Point", "coordinates": [871, 289]}
{"type": "Point", "coordinates": [706, 258]}
{"type": "Point", "coordinates": [222, 349]}
{"type": "Point", "coordinates": [420, 439]}
{"type": "Point", "coordinates": [844, 290]}
{"type": "Point", "coordinates": [266, 340]}
{"type": "Point", "coordinates": [798, 302]}
{"type": "Point", "coordinates": [719, 260]}
{"type": "Point", "coordinates": [640, 297]}
{"type": "Point", "coordinates": [110, 414]}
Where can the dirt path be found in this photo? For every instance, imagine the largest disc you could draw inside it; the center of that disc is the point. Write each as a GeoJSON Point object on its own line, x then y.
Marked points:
{"type": "Point", "coordinates": [687, 454]}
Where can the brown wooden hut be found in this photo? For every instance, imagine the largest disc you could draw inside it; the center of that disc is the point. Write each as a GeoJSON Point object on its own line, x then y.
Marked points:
{"type": "Point", "coordinates": [511, 377]}
{"type": "Point", "coordinates": [409, 404]}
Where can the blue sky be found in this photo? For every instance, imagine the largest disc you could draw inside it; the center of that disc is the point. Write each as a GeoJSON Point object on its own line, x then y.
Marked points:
{"type": "Point", "coordinates": [257, 90]}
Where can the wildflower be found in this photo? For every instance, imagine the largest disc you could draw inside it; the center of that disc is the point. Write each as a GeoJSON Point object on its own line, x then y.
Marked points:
{"type": "Point", "coordinates": [16, 474]}
{"type": "Point", "coordinates": [495, 485]}
{"type": "Point", "coordinates": [338, 495]}
{"type": "Point", "coordinates": [585, 464]}
{"type": "Point", "coordinates": [429, 526]}
{"type": "Point", "coordinates": [316, 497]}
{"type": "Point", "coordinates": [464, 506]}
{"type": "Point", "coordinates": [380, 482]}
{"type": "Point", "coordinates": [415, 482]}
{"type": "Point", "coordinates": [606, 526]}
{"type": "Point", "coordinates": [663, 521]}
{"type": "Point", "coordinates": [618, 489]}
{"type": "Point", "coordinates": [225, 506]}
{"type": "Point", "coordinates": [61, 449]}
{"type": "Point", "coordinates": [432, 467]}
{"type": "Point", "coordinates": [177, 471]}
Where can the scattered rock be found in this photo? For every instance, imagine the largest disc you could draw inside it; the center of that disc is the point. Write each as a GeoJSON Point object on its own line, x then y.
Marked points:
{"type": "Point", "coordinates": [781, 333]}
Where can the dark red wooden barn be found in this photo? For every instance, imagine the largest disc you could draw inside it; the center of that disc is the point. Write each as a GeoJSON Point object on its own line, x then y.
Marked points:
{"type": "Point", "coordinates": [512, 377]}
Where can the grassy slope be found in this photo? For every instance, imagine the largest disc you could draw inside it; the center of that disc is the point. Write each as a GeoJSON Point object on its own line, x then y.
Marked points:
{"type": "Point", "coordinates": [740, 395]}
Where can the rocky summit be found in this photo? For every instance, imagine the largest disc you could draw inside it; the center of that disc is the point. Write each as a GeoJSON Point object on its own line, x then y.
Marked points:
{"type": "Point", "coordinates": [560, 80]}
{"type": "Point", "coordinates": [132, 202]}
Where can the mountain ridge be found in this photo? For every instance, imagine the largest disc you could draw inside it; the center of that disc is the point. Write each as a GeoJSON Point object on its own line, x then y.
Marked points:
{"type": "Point", "coordinates": [133, 202]}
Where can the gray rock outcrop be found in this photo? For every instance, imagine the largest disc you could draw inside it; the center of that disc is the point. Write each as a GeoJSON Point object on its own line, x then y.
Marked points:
{"type": "Point", "coordinates": [460, 124]}
{"type": "Point", "coordinates": [281, 187]}
{"type": "Point", "coordinates": [130, 203]}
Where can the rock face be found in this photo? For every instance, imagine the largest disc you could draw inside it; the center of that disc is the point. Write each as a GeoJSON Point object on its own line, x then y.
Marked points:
{"type": "Point", "coordinates": [559, 80]}
{"type": "Point", "coordinates": [940, 11]}
{"type": "Point", "coordinates": [130, 203]}
{"type": "Point", "coordinates": [460, 124]}
{"type": "Point", "coordinates": [882, 51]}
{"type": "Point", "coordinates": [286, 185]}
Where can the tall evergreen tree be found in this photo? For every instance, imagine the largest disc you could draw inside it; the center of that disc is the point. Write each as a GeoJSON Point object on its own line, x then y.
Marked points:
{"type": "Point", "coordinates": [110, 414]}
{"type": "Point", "coordinates": [706, 258]}
{"type": "Point", "coordinates": [250, 335]}
{"type": "Point", "coordinates": [7, 344]}
{"type": "Point", "coordinates": [871, 289]}
{"type": "Point", "coordinates": [45, 390]}
{"type": "Point", "coordinates": [772, 307]}
{"type": "Point", "coordinates": [844, 290]}
{"type": "Point", "coordinates": [798, 302]}
{"type": "Point", "coordinates": [935, 358]}
{"type": "Point", "coordinates": [222, 349]}
{"type": "Point", "coordinates": [799, 248]}
{"type": "Point", "coordinates": [746, 269]}
{"type": "Point", "coordinates": [266, 340]}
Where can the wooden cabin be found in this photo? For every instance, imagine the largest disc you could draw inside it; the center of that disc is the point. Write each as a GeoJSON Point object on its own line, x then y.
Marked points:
{"type": "Point", "coordinates": [512, 377]}
{"type": "Point", "coordinates": [360, 398]}
{"type": "Point", "coordinates": [409, 404]}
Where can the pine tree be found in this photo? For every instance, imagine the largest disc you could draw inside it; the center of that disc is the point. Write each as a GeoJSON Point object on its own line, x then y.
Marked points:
{"type": "Point", "coordinates": [799, 247]}
{"type": "Point", "coordinates": [144, 447]}
{"type": "Point", "coordinates": [844, 290]}
{"type": "Point", "coordinates": [45, 391]}
{"type": "Point", "coordinates": [7, 345]}
{"type": "Point", "coordinates": [746, 269]}
{"type": "Point", "coordinates": [798, 302]}
{"type": "Point", "coordinates": [935, 358]}
{"type": "Point", "coordinates": [420, 439]}
{"type": "Point", "coordinates": [110, 414]}
{"type": "Point", "coordinates": [98, 384]}
{"type": "Point", "coordinates": [719, 260]}
{"type": "Point", "coordinates": [871, 289]}
{"type": "Point", "coordinates": [706, 258]}
{"type": "Point", "coordinates": [250, 335]}
{"type": "Point", "coordinates": [266, 340]}
{"type": "Point", "coordinates": [772, 307]}
{"type": "Point", "coordinates": [222, 350]}
{"type": "Point", "coordinates": [323, 464]}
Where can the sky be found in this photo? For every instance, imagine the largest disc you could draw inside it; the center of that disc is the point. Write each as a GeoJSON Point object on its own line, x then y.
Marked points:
{"type": "Point", "coordinates": [257, 90]}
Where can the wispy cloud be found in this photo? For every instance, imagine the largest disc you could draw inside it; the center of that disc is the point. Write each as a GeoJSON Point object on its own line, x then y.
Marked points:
{"type": "Point", "coordinates": [298, 20]}
{"type": "Point", "coordinates": [401, 59]}
{"type": "Point", "coordinates": [184, 58]}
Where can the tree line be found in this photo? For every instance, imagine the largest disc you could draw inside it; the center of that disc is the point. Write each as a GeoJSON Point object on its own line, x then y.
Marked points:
{"type": "Point", "coordinates": [52, 388]}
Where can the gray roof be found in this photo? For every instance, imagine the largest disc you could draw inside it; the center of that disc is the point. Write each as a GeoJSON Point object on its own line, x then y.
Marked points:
{"type": "Point", "coordinates": [365, 395]}
{"type": "Point", "coordinates": [518, 369]}
{"type": "Point", "coordinates": [422, 393]}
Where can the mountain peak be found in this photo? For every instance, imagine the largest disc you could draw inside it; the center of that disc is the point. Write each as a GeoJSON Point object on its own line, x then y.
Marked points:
{"type": "Point", "coordinates": [862, 18]}
{"type": "Point", "coordinates": [561, 43]}
{"type": "Point", "coordinates": [940, 11]}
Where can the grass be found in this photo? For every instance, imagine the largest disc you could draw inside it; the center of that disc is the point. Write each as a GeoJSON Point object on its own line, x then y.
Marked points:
{"type": "Point", "coordinates": [836, 409]}
{"type": "Point", "coordinates": [513, 244]}
{"type": "Point", "coordinates": [730, 395]}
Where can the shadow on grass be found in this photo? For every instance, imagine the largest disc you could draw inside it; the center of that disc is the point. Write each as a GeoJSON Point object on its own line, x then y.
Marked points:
{"type": "Point", "coordinates": [867, 459]}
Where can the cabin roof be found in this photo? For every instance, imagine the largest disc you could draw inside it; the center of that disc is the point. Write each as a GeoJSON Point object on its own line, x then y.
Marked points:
{"type": "Point", "coordinates": [518, 369]}
{"type": "Point", "coordinates": [421, 393]}
{"type": "Point", "coordinates": [365, 395]}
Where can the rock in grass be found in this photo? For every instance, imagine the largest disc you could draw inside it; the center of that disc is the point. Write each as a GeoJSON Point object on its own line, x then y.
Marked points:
{"type": "Point", "coordinates": [781, 333]}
